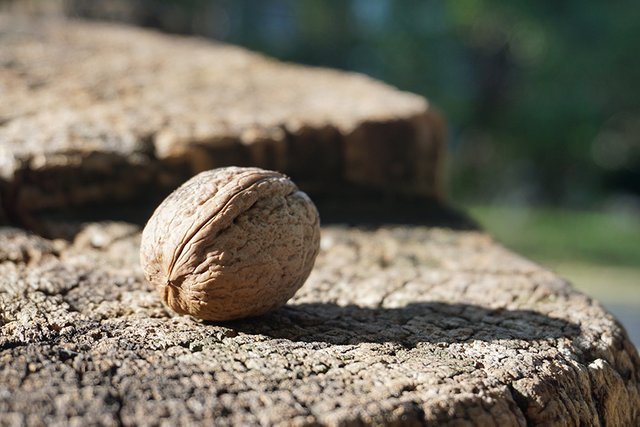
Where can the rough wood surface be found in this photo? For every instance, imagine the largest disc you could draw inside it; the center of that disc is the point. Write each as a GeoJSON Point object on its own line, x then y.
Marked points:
{"type": "Point", "coordinates": [396, 325]}
{"type": "Point", "coordinates": [93, 112]}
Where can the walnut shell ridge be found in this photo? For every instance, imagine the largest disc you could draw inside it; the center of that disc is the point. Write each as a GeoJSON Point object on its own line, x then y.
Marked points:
{"type": "Point", "coordinates": [230, 243]}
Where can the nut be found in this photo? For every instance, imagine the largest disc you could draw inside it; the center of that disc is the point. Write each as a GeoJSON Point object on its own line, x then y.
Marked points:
{"type": "Point", "coordinates": [230, 243]}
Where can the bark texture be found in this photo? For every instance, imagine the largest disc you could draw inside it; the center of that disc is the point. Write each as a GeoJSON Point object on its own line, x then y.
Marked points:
{"type": "Point", "coordinates": [95, 112]}
{"type": "Point", "coordinates": [396, 325]}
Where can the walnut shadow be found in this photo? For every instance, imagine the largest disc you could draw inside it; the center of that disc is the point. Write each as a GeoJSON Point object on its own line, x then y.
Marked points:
{"type": "Point", "coordinates": [425, 322]}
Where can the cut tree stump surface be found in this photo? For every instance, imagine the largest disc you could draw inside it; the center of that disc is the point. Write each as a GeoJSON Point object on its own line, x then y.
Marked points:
{"type": "Point", "coordinates": [94, 112]}
{"type": "Point", "coordinates": [396, 325]}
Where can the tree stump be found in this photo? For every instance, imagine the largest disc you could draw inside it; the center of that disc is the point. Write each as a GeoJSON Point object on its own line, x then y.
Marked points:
{"type": "Point", "coordinates": [96, 113]}
{"type": "Point", "coordinates": [397, 324]}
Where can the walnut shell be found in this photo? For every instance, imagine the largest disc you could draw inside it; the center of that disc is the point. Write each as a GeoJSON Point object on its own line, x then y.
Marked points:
{"type": "Point", "coordinates": [230, 243]}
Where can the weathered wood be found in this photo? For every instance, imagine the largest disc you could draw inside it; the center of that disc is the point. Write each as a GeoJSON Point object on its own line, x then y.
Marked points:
{"type": "Point", "coordinates": [396, 325]}
{"type": "Point", "coordinates": [92, 112]}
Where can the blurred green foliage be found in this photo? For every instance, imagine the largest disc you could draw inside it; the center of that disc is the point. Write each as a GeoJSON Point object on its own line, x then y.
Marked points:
{"type": "Point", "coordinates": [559, 235]}
{"type": "Point", "coordinates": [542, 96]}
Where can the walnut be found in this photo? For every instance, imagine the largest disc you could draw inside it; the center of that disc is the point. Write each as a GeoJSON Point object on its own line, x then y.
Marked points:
{"type": "Point", "coordinates": [230, 243]}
